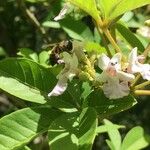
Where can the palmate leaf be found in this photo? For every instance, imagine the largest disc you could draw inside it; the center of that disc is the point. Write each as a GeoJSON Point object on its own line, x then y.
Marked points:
{"type": "Point", "coordinates": [105, 106]}
{"type": "Point", "coordinates": [20, 127]}
{"type": "Point", "coordinates": [73, 131]}
{"type": "Point", "coordinates": [111, 9]}
{"type": "Point", "coordinates": [89, 7]}
{"type": "Point", "coordinates": [26, 79]}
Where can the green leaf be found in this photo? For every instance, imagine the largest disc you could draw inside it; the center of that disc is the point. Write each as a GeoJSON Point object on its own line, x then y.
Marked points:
{"type": "Point", "coordinates": [32, 82]}
{"type": "Point", "coordinates": [28, 53]}
{"type": "Point", "coordinates": [51, 24]}
{"type": "Point", "coordinates": [24, 148]}
{"type": "Point", "coordinates": [110, 144]}
{"type": "Point", "coordinates": [129, 36]}
{"type": "Point", "coordinates": [20, 127]}
{"type": "Point", "coordinates": [87, 128]}
{"type": "Point", "coordinates": [70, 100]}
{"type": "Point", "coordinates": [86, 90]}
{"type": "Point", "coordinates": [3, 52]}
{"type": "Point", "coordinates": [72, 132]}
{"type": "Point", "coordinates": [114, 135]}
{"type": "Point", "coordinates": [89, 7]}
{"type": "Point", "coordinates": [43, 58]}
{"type": "Point", "coordinates": [76, 29]}
{"type": "Point", "coordinates": [71, 27]}
{"type": "Point", "coordinates": [105, 106]}
{"type": "Point", "coordinates": [26, 79]}
{"type": "Point", "coordinates": [35, 1]}
{"type": "Point", "coordinates": [111, 9]}
{"type": "Point", "coordinates": [135, 139]}
{"type": "Point", "coordinates": [106, 128]}
{"type": "Point", "coordinates": [63, 131]}
{"type": "Point", "coordinates": [94, 47]}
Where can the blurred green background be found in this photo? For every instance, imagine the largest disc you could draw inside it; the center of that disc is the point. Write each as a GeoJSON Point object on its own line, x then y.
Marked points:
{"type": "Point", "coordinates": [17, 30]}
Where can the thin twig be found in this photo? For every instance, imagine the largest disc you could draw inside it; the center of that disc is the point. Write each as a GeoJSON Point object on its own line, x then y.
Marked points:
{"type": "Point", "coordinates": [31, 17]}
{"type": "Point", "coordinates": [104, 42]}
{"type": "Point", "coordinates": [136, 80]}
{"type": "Point", "coordinates": [142, 85]}
{"type": "Point", "coordinates": [97, 25]}
{"type": "Point", "coordinates": [147, 50]}
{"type": "Point", "coordinates": [112, 41]}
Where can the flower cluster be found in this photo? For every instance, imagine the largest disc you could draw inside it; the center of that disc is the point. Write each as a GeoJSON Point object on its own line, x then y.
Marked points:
{"type": "Point", "coordinates": [115, 82]}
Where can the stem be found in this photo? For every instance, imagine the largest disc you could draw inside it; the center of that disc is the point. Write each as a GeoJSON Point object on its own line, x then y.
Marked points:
{"type": "Point", "coordinates": [104, 41]}
{"type": "Point", "coordinates": [103, 37]}
{"type": "Point", "coordinates": [142, 85]}
{"type": "Point", "coordinates": [31, 17]}
{"type": "Point", "coordinates": [142, 92]}
{"type": "Point", "coordinates": [147, 50]}
{"type": "Point", "coordinates": [112, 41]}
{"type": "Point", "coordinates": [136, 80]}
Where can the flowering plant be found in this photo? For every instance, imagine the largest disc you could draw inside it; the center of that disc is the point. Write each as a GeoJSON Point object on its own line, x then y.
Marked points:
{"type": "Point", "coordinates": [65, 91]}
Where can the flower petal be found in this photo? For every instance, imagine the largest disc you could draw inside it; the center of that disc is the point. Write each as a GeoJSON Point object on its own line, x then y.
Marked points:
{"type": "Point", "coordinates": [66, 57]}
{"type": "Point", "coordinates": [101, 77]}
{"type": "Point", "coordinates": [125, 76]}
{"type": "Point", "coordinates": [74, 62]}
{"type": "Point", "coordinates": [133, 56]}
{"type": "Point", "coordinates": [114, 90]}
{"type": "Point", "coordinates": [116, 61]}
{"type": "Point", "coordinates": [135, 66]}
{"type": "Point", "coordinates": [60, 87]}
{"type": "Point", "coordinates": [103, 61]}
{"type": "Point", "coordinates": [145, 71]}
{"type": "Point", "coordinates": [62, 13]}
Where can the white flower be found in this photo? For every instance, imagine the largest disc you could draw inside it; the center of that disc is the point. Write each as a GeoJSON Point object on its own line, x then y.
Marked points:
{"type": "Point", "coordinates": [115, 81]}
{"type": "Point", "coordinates": [135, 66]}
{"type": "Point", "coordinates": [62, 13]}
{"type": "Point", "coordinates": [69, 71]}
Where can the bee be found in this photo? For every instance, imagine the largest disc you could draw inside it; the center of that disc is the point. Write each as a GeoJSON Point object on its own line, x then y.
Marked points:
{"type": "Point", "coordinates": [65, 45]}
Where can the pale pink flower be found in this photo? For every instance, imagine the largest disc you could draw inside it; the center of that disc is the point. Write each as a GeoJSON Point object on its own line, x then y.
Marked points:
{"type": "Point", "coordinates": [62, 13]}
{"type": "Point", "coordinates": [115, 81]}
{"type": "Point", "coordinates": [136, 67]}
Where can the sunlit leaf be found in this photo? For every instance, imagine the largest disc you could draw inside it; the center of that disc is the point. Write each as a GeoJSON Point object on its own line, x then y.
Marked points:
{"type": "Point", "coordinates": [26, 79]}
{"type": "Point", "coordinates": [114, 135]}
{"type": "Point", "coordinates": [28, 53]}
{"type": "Point", "coordinates": [89, 7]}
{"type": "Point", "coordinates": [20, 127]}
{"type": "Point", "coordinates": [135, 139]}
{"type": "Point", "coordinates": [111, 9]}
